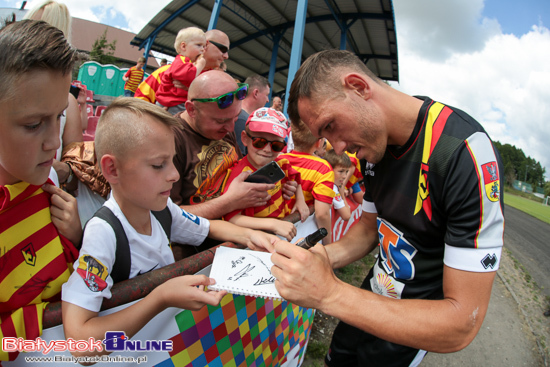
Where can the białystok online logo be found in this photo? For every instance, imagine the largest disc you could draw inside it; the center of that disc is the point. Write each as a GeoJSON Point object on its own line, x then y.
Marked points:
{"type": "Point", "coordinates": [114, 341]}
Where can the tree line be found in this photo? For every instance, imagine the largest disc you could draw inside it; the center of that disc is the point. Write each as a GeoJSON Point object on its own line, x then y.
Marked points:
{"type": "Point", "coordinates": [519, 167]}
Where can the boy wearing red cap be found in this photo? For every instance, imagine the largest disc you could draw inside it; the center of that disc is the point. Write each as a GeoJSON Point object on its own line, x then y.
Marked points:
{"type": "Point", "coordinates": [264, 137]}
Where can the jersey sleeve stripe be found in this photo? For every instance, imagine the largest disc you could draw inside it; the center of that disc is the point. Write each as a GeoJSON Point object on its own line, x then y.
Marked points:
{"type": "Point", "coordinates": [491, 221]}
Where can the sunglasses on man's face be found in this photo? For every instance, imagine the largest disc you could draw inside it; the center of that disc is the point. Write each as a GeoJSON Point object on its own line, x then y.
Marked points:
{"type": "Point", "coordinates": [226, 100]}
{"type": "Point", "coordinates": [223, 48]}
{"type": "Point", "coordinates": [260, 143]}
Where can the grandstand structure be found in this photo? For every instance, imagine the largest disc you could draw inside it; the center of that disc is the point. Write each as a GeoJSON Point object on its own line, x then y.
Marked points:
{"type": "Point", "coordinates": [273, 37]}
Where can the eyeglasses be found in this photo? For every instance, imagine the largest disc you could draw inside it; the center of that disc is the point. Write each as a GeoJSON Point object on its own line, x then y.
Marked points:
{"type": "Point", "coordinates": [223, 48]}
{"type": "Point", "coordinates": [226, 100]}
{"type": "Point", "coordinates": [260, 143]}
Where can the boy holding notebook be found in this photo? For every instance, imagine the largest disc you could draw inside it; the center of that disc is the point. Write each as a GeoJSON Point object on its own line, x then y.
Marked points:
{"type": "Point", "coordinates": [135, 147]}
{"type": "Point", "coordinates": [264, 138]}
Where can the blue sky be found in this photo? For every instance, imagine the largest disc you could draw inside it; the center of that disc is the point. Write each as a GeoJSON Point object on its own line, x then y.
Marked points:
{"type": "Point", "coordinates": [486, 57]}
{"type": "Point", "coordinates": [518, 17]}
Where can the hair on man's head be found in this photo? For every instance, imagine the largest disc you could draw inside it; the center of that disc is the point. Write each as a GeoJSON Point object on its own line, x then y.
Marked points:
{"type": "Point", "coordinates": [318, 77]}
{"type": "Point", "coordinates": [31, 45]}
{"type": "Point", "coordinates": [186, 34]}
{"type": "Point", "coordinates": [256, 81]}
{"type": "Point", "coordinates": [336, 160]}
{"type": "Point", "coordinates": [122, 127]}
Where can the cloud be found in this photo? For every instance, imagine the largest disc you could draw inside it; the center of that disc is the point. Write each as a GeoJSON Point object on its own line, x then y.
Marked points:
{"type": "Point", "coordinates": [501, 80]}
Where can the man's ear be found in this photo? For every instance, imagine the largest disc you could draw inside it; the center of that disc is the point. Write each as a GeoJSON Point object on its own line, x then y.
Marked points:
{"type": "Point", "coordinates": [190, 108]}
{"type": "Point", "coordinates": [357, 83]}
{"type": "Point", "coordinates": [109, 168]}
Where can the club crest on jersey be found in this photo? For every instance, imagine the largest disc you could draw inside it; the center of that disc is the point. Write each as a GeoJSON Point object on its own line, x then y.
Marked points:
{"type": "Point", "coordinates": [396, 253]}
{"type": "Point", "coordinates": [491, 180]}
{"type": "Point", "coordinates": [93, 272]}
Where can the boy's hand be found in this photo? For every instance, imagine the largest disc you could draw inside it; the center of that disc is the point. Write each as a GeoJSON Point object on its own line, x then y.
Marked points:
{"type": "Point", "coordinates": [289, 189]}
{"type": "Point", "coordinates": [261, 241]}
{"type": "Point", "coordinates": [247, 194]}
{"type": "Point", "coordinates": [284, 229]}
{"type": "Point", "coordinates": [200, 62]}
{"type": "Point", "coordinates": [188, 292]}
{"type": "Point", "coordinates": [64, 213]}
{"type": "Point", "coordinates": [302, 208]}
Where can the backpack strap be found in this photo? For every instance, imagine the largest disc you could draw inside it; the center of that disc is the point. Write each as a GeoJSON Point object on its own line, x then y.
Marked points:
{"type": "Point", "coordinates": [123, 261]}
{"type": "Point", "coordinates": [123, 258]}
{"type": "Point", "coordinates": [165, 218]}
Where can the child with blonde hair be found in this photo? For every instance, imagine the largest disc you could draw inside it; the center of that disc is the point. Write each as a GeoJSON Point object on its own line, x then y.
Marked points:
{"type": "Point", "coordinates": [190, 45]}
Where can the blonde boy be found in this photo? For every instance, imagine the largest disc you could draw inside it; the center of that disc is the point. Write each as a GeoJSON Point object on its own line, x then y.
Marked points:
{"type": "Point", "coordinates": [38, 223]}
{"type": "Point", "coordinates": [190, 45]}
{"type": "Point", "coordinates": [135, 147]}
{"type": "Point", "coordinates": [264, 138]}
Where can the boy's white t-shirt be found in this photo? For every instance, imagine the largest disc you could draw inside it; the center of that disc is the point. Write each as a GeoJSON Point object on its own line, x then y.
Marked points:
{"type": "Point", "coordinates": [337, 202]}
{"type": "Point", "coordinates": [90, 282]}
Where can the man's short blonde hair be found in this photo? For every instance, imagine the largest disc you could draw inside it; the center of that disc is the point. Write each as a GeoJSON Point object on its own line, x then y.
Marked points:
{"type": "Point", "coordinates": [186, 34]}
{"type": "Point", "coordinates": [121, 127]}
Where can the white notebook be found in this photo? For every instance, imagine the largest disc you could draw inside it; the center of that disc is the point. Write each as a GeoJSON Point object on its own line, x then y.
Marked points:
{"type": "Point", "coordinates": [244, 272]}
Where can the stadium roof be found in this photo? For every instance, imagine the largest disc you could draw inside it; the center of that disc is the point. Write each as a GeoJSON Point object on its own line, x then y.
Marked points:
{"type": "Point", "coordinates": [256, 27]}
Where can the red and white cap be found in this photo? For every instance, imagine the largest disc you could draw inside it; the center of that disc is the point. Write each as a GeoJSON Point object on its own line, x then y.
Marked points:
{"type": "Point", "coordinates": [268, 120]}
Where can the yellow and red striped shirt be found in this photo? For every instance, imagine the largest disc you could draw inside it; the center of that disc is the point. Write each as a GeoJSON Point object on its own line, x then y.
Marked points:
{"type": "Point", "coordinates": [135, 77]}
{"type": "Point", "coordinates": [35, 260]}
{"type": "Point", "coordinates": [317, 176]}
{"type": "Point", "coordinates": [277, 206]}
{"type": "Point", "coordinates": [148, 88]}
{"type": "Point", "coordinates": [357, 175]}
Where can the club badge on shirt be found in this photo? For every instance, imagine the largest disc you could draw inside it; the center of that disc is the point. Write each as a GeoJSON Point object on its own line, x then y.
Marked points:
{"type": "Point", "coordinates": [491, 181]}
{"type": "Point", "coordinates": [93, 272]}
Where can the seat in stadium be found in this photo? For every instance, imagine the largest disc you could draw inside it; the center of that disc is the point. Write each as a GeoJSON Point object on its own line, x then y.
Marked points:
{"type": "Point", "coordinates": [89, 133]}
{"type": "Point", "coordinates": [99, 110]}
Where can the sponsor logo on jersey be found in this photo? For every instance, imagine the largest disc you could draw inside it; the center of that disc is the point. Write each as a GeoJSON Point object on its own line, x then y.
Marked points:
{"type": "Point", "coordinates": [489, 261]}
{"type": "Point", "coordinates": [191, 217]}
{"type": "Point", "coordinates": [491, 181]}
{"type": "Point", "coordinates": [369, 169]}
{"type": "Point", "coordinates": [93, 272]}
{"type": "Point", "coordinates": [396, 253]}
{"type": "Point", "coordinates": [384, 285]}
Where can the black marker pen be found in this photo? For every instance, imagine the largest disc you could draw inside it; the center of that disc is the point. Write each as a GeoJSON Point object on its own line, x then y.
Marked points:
{"type": "Point", "coordinates": [312, 239]}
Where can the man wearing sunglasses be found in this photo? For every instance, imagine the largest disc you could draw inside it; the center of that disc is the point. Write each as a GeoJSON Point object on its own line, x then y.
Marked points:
{"type": "Point", "coordinates": [215, 53]}
{"type": "Point", "coordinates": [206, 148]}
{"type": "Point", "coordinates": [258, 96]}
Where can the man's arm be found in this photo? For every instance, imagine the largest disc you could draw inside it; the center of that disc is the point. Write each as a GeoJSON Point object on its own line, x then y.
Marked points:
{"type": "Point", "coordinates": [306, 278]}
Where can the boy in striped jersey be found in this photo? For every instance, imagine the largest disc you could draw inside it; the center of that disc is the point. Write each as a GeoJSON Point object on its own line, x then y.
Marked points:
{"type": "Point", "coordinates": [263, 137]}
{"type": "Point", "coordinates": [133, 77]}
{"type": "Point", "coordinates": [38, 223]}
{"type": "Point", "coordinates": [316, 173]}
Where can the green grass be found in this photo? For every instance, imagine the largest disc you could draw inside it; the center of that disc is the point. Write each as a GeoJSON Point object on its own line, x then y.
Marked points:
{"type": "Point", "coordinates": [528, 206]}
